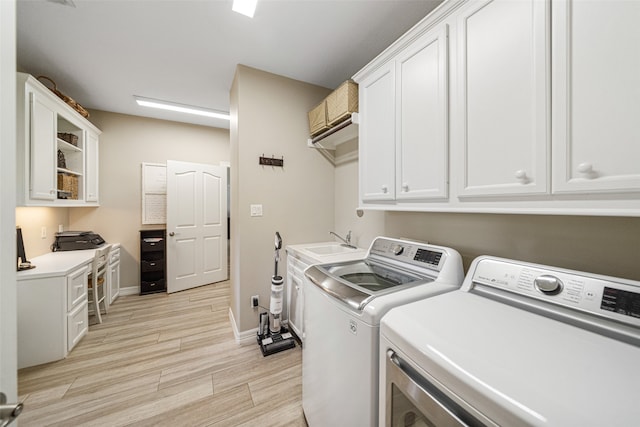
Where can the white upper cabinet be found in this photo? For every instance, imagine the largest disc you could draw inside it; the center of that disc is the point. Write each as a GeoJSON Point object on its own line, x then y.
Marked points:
{"type": "Point", "coordinates": [503, 97]}
{"type": "Point", "coordinates": [421, 115]}
{"type": "Point", "coordinates": [596, 96]}
{"type": "Point", "coordinates": [403, 124]}
{"type": "Point", "coordinates": [57, 150]}
{"type": "Point", "coordinates": [92, 154]}
{"type": "Point", "coordinates": [506, 106]}
{"type": "Point", "coordinates": [377, 129]}
{"type": "Point", "coordinates": [42, 148]}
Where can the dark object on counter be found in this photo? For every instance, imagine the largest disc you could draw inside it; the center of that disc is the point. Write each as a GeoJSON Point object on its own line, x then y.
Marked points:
{"type": "Point", "coordinates": [76, 240]}
{"type": "Point", "coordinates": [152, 261]}
{"type": "Point", "coordinates": [23, 262]}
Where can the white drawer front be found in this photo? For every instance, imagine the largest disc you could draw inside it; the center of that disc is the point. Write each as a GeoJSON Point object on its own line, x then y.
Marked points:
{"type": "Point", "coordinates": [77, 325]}
{"type": "Point", "coordinates": [77, 287]}
{"type": "Point", "coordinates": [115, 255]}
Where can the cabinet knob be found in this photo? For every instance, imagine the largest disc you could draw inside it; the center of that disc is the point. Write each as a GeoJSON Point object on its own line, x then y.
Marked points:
{"type": "Point", "coordinates": [172, 234]}
{"type": "Point", "coordinates": [52, 191]}
{"type": "Point", "coordinates": [385, 189]}
{"type": "Point", "coordinates": [521, 174]}
{"type": "Point", "coordinates": [585, 167]}
{"type": "Point", "coordinates": [405, 187]}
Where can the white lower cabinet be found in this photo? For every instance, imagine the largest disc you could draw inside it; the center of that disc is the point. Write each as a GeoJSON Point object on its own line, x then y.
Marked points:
{"type": "Point", "coordinates": [596, 76]}
{"type": "Point", "coordinates": [114, 275]}
{"type": "Point", "coordinates": [52, 316]}
{"type": "Point", "coordinates": [295, 297]}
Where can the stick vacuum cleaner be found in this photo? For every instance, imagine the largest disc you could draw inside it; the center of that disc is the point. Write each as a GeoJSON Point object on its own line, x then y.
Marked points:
{"type": "Point", "coordinates": [272, 336]}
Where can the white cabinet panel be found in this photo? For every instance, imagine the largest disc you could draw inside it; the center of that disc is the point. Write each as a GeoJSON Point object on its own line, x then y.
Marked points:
{"type": "Point", "coordinates": [42, 148]}
{"type": "Point", "coordinates": [596, 96]}
{"type": "Point", "coordinates": [92, 173]}
{"type": "Point", "coordinates": [421, 114]}
{"type": "Point", "coordinates": [503, 97]}
{"type": "Point", "coordinates": [377, 135]}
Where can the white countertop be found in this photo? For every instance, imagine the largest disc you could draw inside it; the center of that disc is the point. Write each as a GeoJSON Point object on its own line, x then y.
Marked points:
{"type": "Point", "coordinates": [54, 264]}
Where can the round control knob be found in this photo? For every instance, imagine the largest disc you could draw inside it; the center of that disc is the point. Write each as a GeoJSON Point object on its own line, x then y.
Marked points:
{"type": "Point", "coordinates": [397, 249]}
{"type": "Point", "coordinates": [548, 285]}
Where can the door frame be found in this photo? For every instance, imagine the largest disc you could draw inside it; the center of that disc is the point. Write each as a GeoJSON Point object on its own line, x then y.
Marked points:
{"type": "Point", "coordinates": [8, 260]}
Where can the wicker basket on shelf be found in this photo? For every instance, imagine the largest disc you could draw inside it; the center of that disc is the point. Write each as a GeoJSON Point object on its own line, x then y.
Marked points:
{"type": "Point", "coordinates": [69, 137]}
{"type": "Point", "coordinates": [67, 186]}
{"type": "Point", "coordinates": [70, 101]}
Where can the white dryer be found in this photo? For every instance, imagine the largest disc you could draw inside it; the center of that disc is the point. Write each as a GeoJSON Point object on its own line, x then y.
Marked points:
{"type": "Point", "coordinates": [519, 344]}
{"type": "Point", "coordinates": [344, 303]}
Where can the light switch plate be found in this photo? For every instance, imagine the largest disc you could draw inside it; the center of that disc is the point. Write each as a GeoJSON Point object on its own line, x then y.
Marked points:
{"type": "Point", "coordinates": [256, 210]}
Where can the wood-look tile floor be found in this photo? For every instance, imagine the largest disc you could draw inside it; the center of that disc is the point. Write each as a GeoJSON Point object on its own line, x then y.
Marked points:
{"type": "Point", "coordinates": [165, 360]}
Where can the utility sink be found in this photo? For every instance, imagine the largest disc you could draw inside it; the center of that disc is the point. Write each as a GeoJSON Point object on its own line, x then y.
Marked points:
{"type": "Point", "coordinates": [329, 249]}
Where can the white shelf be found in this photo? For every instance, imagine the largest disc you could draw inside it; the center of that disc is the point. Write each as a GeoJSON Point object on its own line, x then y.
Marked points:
{"type": "Point", "coordinates": [341, 133]}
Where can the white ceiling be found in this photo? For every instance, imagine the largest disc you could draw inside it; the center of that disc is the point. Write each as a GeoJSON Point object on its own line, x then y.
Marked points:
{"type": "Point", "coordinates": [102, 52]}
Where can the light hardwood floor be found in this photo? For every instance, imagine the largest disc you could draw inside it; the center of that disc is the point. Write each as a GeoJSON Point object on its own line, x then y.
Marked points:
{"type": "Point", "coordinates": [165, 360]}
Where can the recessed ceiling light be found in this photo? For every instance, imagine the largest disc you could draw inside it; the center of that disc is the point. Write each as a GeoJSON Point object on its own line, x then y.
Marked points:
{"type": "Point", "coordinates": [245, 7]}
{"type": "Point", "coordinates": [181, 108]}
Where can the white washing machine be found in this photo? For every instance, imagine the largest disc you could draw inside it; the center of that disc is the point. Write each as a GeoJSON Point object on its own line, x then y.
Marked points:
{"type": "Point", "coordinates": [344, 303]}
{"type": "Point", "coordinates": [519, 344]}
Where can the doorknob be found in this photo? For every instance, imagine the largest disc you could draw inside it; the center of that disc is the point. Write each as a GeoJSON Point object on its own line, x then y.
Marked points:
{"type": "Point", "coordinates": [172, 234]}
{"type": "Point", "coordinates": [8, 412]}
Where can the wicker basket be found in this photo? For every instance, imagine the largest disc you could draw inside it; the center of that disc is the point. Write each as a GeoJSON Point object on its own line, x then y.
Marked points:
{"type": "Point", "coordinates": [342, 102]}
{"type": "Point", "coordinates": [318, 119]}
{"type": "Point", "coordinates": [72, 103]}
{"type": "Point", "coordinates": [68, 184]}
{"type": "Point", "coordinates": [69, 137]}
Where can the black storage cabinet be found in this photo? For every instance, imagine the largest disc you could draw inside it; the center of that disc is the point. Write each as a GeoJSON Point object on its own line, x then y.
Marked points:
{"type": "Point", "coordinates": [152, 261]}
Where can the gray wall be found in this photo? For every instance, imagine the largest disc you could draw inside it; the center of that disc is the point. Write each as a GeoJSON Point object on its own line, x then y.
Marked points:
{"type": "Point", "coordinates": [603, 245]}
{"type": "Point", "coordinates": [269, 116]}
{"type": "Point", "coordinates": [125, 143]}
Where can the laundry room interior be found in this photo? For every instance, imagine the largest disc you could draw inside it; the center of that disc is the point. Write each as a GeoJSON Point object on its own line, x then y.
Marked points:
{"type": "Point", "coordinates": [472, 139]}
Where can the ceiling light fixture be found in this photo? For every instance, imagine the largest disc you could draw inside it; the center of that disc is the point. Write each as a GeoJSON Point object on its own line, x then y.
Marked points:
{"type": "Point", "coordinates": [245, 7]}
{"type": "Point", "coordinates": [181, 108]}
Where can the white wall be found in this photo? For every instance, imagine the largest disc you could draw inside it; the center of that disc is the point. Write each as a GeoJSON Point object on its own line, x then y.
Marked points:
{"type": "Point", "coordinates": [125, 143]}
{"type": "Point", "coordinates": [363, 228]}
{"type": "Point", "coordinates": [270, 117]}
{"type": "Point", "coordinates": [33, 219]}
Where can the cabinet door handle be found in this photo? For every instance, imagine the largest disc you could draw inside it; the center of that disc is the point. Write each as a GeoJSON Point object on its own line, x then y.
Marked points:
{"type": "Point", "coordinates": [405, 187]}
{"type": "Point", "coordinates": [521, 174]}
{"type": "Point", "coordinates": [585, 168]}
{"type": "Point", "coordinates": [385, 189]}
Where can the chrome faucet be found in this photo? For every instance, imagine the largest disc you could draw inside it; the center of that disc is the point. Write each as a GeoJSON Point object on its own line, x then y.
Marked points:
{"type": "Point", "coordinates": [347, 240]}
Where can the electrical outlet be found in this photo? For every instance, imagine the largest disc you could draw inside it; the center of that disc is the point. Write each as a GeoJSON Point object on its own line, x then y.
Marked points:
{"type": "Point", "coordinates": [254, 301]}
{"type": "Point", "coordinates": [43, 232]}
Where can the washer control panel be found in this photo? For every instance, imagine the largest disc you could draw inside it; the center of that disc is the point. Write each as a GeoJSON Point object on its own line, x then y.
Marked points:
{"type": "Point", "coordinates": [610, 297]}
{"type": "Point", "coordinates": [408, 252]}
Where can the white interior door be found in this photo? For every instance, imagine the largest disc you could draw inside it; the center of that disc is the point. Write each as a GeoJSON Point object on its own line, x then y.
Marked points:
{"type": "Point", "coordinates": [196, 225]}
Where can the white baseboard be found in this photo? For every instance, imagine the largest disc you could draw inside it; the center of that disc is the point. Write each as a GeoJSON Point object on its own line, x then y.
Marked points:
{"type": "Point", "coordinates": [244, 337]}
{"type": "Point", "coordinates": [130, 290]}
